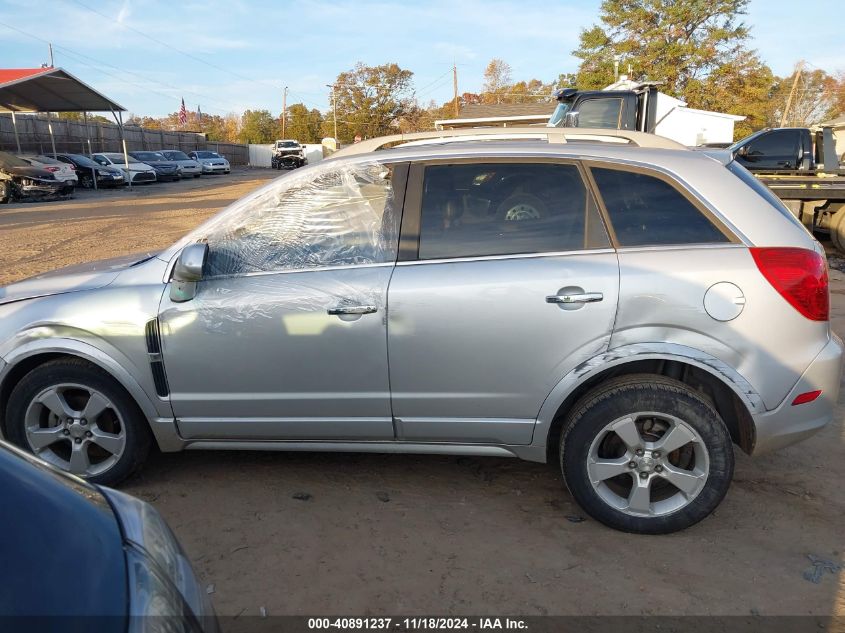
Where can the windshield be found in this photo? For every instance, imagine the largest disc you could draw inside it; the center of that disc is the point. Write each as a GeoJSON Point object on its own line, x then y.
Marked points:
{"type": "Point", "coordinates": [287, 144]}
{"type": "Point", "coordinates": [147, 156]}
{"type": "Point", "coordinates": [82, 161]}
{"type": "Point", "coordinates": [117, 158]}
{"type": "Point", "coordinates": [208, 155]}
{"type": "Point", "coordinates": [744, 141]}
{"type": "Point", "coordinates": [176, 155]}
{"type": "Point", "coordinates": [10, 160]}
{"type": "Point", "coordinates": [559, 115]}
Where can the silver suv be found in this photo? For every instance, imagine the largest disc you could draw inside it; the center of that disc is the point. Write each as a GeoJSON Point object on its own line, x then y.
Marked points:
{"type": "Point", "coordinates": [618, 303]}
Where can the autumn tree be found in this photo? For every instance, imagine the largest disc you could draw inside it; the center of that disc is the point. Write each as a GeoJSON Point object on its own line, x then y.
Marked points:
{"type": "Point", "coordinates": [497, 78]}
{"type": "Point", "coordinates": [370, 100]}
{"type": "Point", "coordinates": [813, 100]}
{"type": "Point", "coordinates": [303, 124]}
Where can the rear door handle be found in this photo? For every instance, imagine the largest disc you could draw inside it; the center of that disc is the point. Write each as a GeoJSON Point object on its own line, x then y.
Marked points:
{"type": "Point", "coordinates": [349, 309]}
{"type": "Point", "coordinates": [584, 297]}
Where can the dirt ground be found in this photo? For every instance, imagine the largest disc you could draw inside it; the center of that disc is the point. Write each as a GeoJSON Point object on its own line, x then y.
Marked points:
{"type": "Point", "coordinates": [379, 534]}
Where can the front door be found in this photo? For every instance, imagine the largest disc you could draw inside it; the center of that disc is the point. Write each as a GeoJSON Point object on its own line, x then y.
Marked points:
{"type": "Point", "coordinates": [286, 336]}
{"type": "Point", "coordinates": [513, 285]}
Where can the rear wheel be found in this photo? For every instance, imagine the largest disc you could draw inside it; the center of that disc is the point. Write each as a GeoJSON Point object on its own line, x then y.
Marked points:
{"type": "Point", "coordinates": [646, 454]}
{"type": "Point", "coordinates": [79, 419]}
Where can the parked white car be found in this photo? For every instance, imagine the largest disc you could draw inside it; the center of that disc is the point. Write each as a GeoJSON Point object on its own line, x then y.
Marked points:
{"type": "Point", "coordinates": [212, 162]}
{"type": "Point", "coordinates": [137, 173]}
{"type": "Point", "coordinates": [189, 166]}
{"type": "Point", "coordinates": [61, 171]}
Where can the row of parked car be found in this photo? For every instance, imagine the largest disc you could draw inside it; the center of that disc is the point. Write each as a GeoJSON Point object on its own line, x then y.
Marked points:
{"type": "Point", "coordinates": [40, 176]}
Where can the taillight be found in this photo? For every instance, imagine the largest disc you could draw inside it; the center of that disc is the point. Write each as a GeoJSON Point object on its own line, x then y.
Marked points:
{"type": "Point", "coordinates": [799, 275]}
{"type": "Point", "coordinates": [53, 169]}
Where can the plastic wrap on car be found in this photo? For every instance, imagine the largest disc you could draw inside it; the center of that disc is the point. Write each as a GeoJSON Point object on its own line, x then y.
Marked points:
{"type": "Point", "coordinates": [263, 250]}
{"type": "Point", "coordinates": [334, 217]}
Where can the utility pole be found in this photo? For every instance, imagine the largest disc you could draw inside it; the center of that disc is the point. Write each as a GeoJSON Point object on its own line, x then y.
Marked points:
{"type": "Point", "coordinates": [51, 54]}
{"type": "Point", "coordinates": [798, 68]}
{"type": "Point", "coordinates": [455, 86]}
{"type": "Point", "coordinates": [284, 110]}
{"type": "Point", "coordinates": [334, 109]}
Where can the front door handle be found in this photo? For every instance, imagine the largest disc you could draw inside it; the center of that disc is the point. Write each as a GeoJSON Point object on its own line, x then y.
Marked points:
{"type": "Point", "coordinates": [583, 297]}
{"type": "Point", "coordinates": [350, 309]}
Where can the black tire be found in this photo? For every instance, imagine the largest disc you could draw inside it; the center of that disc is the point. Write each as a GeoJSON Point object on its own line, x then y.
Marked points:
{"type": "Point", "coordinates": [78, 371]}
{"type": "Point", "coordinates": [624, 396]}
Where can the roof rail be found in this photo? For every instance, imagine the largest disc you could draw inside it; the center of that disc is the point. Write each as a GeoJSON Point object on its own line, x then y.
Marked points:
{"type": "Point", "coordinates": [550, 134]}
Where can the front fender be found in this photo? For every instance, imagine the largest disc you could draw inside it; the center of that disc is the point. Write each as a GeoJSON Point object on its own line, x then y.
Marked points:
{"type": "Point", "coordinates": [641, 351]}
{"type": "Point", "coordinates": [44, 340]}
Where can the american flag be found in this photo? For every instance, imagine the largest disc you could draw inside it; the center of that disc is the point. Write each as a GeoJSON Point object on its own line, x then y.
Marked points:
{"type": "Point", "coordinates": [183, 114]}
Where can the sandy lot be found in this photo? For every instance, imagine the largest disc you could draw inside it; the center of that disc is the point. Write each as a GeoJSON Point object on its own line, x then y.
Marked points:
{"type": "Point", "coordinates": [421, 535]}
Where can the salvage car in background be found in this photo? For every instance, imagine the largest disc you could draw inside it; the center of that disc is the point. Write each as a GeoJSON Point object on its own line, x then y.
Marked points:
{"type": "Point", "coordinates": [87, 170]}
{"type": "Point", "coordinates": [80, 552]}
{"type": "Point", "coordinates": [19, 180]}
{"type": "Point", "coordinates": [609, 301]}
{"type": "Point", "coordinates": [165, 169]}
{"type": "Point", "coordinates": [288, 154]}
{"type": "Point", "coordinates": [137, 173]}
{"type": "Point", "coordinates": [190, 167]}
{"type": "Point", "coordinates": [212, 162]}
{"type": "Point", "coordinates": [61, 171]}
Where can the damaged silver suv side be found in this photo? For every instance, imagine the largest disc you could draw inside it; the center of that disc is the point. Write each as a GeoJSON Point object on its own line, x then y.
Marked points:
{"type": "Point", "coordinates": [631, 309]}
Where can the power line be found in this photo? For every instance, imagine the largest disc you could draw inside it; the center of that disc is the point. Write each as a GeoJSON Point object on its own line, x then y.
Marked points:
{"type": "Point", "coordinates": [81, 56]}
{"type": "Point", "coordinates": [169, 46]}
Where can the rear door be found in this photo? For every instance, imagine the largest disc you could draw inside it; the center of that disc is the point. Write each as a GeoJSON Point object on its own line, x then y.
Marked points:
{"type": "Point", "coordinates": [506, 281]}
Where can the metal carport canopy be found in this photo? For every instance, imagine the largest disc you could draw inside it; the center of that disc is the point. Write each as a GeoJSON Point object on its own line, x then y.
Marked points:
{"type": "Point", "coordinates": [55, 90]}
{"type": "Point", "coordinates": [50, 90]}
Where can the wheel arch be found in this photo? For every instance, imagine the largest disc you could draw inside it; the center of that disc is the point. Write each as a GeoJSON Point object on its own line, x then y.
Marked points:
{"type": "Point", "coordinates": [732, 396]}
{"type": "Point", "coordinates": [30, 356]}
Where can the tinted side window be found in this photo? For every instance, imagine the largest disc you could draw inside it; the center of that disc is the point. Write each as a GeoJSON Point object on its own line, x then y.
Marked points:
{"type": "Point", "coordinates": [648, 211]}
{"type": "Point", "coordinates": [472, 210]}
{"type": "Point", "coordinates": [601, 113]}
{"type": "Point", "coordinates": [335, 216]}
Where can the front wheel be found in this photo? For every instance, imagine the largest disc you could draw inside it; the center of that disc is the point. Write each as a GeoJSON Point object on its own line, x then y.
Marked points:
{"type": "Point", "coordinates": [646, 454]}
{"type": "Point", "coordinates": [79, 419]}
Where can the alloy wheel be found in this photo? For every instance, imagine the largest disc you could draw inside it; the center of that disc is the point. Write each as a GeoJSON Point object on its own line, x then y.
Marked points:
{"type": "Point", "coordinates": [75, 428]}
{"type": "Point", "coordinates": [648, 464]}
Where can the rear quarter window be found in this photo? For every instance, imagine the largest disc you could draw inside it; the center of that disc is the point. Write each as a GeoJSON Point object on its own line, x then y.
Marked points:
{"type": "Point", "coordinates": [648, 211]}
{"type": "Point", "coordinates": [763, 191]}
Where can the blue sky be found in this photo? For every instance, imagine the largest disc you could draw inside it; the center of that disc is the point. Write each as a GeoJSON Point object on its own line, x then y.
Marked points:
{"type": "Point", "coordinates": [240, 53]}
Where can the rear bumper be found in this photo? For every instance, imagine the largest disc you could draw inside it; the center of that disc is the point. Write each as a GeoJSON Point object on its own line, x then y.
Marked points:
{"type": "Point", "coordinates": [789, 424]}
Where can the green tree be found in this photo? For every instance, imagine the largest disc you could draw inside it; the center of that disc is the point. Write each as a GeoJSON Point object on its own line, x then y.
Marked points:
{"type": "Point", "coordinates": [303, 124]}
{"type": "Point", "coordinates": [258, 126]}
{"type": "Point", "coordinates": [690, 46]}
{"type": "Point", "coordinates": [370, 100]}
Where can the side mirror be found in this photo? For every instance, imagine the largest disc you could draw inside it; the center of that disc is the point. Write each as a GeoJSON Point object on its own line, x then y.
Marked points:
{"type": "Point", "coordinates": [187, 272]}
{"type": "Point", "coordinates": [570, 120]}
{"type": "Point", "coordinates": [743, 151]}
